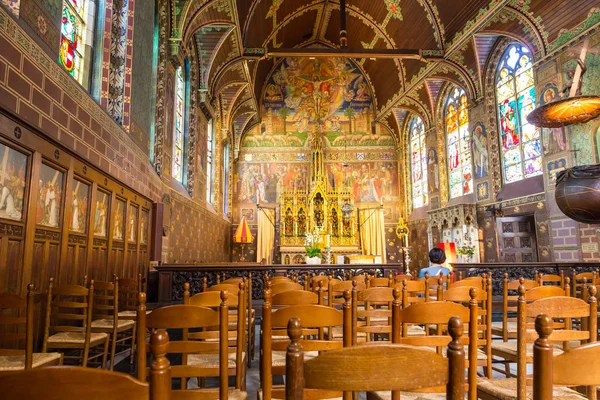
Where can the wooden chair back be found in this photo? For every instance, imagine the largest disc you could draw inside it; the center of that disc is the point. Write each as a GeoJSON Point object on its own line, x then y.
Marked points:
{"type": "Point", "coordinates": [552, 279]}
{"type": "Point", "coordinates": [577, 367]}
{"type": "Point", "coordinates": [233, 280]}
{"type": "Point", "coordinates": [479, 282]}
{"type": "Point", "coordinates": [285, 287]}
{"type": "Point", "coordinates": [69, 309]}
{"type": "Point", "coordinates": [583, 279]}
{"type": "Point", "coordinates": [377, 305]}
{"type": "Point", "coordinates": [16, 320]}
{"type": "Point", "coordinates": [317, 317]}
{"type": "Point", "coordinates": [314, 281]}
{"type": "Point", "coordinates": [413, 292]}
{"type": "Point", "coordinates": [381, 282]}
{"type": "Point", "coordinates": [435, 284]}
{"type": "Point", "coordinates": [294, 297]}
{"type": "Point", "coordinates": [230, 288]}
{"type": "Point", "coordinates": [337, 289]}
{"type": "Point", "coordinates": [106, 301]}
{"type": "Point", "coordinates": [187, 317]}
{"type": "Point", "coordinates": [562, 308]}
{"type": "Point", "coordinates": [406, 368]}
{"type": "Point", "coordinates": [402, 277]}
{"type": "Point", "coordinates": [129, 290]}
{"type": "Point", "coordinates": [509, 301]}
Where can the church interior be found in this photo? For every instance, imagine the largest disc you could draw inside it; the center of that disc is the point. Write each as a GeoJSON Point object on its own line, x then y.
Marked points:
{"type": "Point", "coordinates": [288, 199]}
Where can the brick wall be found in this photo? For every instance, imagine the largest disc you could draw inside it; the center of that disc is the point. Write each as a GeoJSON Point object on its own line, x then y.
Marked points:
{"type": "Point", "coordinates": [37, 90]}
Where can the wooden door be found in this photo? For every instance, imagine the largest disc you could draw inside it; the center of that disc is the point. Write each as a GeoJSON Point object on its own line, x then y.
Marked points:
{"type": "Point", "coordinates": [516, 239]}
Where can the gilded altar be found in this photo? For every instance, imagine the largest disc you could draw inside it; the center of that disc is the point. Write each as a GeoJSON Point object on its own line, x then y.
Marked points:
{"type": "Point", "coordinates": [318, 208]}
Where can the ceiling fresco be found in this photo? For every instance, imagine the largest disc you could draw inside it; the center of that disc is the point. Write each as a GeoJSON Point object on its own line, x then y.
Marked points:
{"type": "Point", "coordinates": [463, 32]}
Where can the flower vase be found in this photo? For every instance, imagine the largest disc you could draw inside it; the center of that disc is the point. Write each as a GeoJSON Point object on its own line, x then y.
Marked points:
{"type": "Point", "coordinates": [313, 260]}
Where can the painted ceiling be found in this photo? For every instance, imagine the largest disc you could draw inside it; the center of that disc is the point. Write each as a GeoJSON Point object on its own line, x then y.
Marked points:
{"type": "Point", "coordinates": [464, 31]}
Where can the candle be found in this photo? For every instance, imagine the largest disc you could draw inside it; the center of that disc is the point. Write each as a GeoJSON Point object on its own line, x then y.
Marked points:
{"type": "Point", "coordinates": [327, 240]}
{"type": "Point", "coordinates": [405, 240]}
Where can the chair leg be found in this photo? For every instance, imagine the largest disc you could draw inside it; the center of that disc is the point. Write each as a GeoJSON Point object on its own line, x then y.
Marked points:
{"type": "Point", "coordinates": [86, 353]}
{"type": "Point", "coordinates": [113, 351]}
{"type": "Point", "coordinates": [105, 355]}
{"type": "Point", "coordinates": [131, 357]}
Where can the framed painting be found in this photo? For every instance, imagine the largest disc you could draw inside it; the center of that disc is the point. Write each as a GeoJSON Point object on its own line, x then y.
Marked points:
{"type": "Point", "coordinates": [119, 216]}
{"type": "Point", "coordinates": [144, 227]}
{"type": "Point", "coordinates": [13, 172]}
{"type": "Point", "coordinates": [101, 215]}
{"type": "Point", "coordinates": [79, 206]}
{"type": "Point", "coordinates": [133, 224]}
{"type": "Point", "coordinates": [50, 193]}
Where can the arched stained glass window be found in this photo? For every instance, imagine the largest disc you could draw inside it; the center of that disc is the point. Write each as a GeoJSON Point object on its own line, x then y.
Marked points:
{"type": "Point", "coordinates": [515, 98]}
{"type": "Point", "coordinates": [458, 141]}
{"type": "Point", "coordinates": [418, 162]}
{"type": "Point", "coordinates": [226, 179]}
{"type": "Point", "coordinates": [210, 168]}
{"type": "Point", "coordinates": [179, 128]}
{"type": "Point", "coordinates": [72, 30]}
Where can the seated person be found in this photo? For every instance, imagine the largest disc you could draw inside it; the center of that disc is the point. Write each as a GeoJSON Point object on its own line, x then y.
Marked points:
{"type": "Point", "coordinates": [437, 257]}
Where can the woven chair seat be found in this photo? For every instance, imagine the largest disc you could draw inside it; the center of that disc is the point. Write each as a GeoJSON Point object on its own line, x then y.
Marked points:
{"type": "Point", "coordinates": [17, 363]}
{"type": "Point", "coordinates": [109, 324]}
{"type": "Point", "coordinates": [212, 360]}
{"type": "Point", "coordinates": [510, 349]}
{"type": "Point", "coordinates": [497, 328]}
{"type": "Point", "coordinates": [76, 338]}
{"type": "Point", "coordinates": [338, 333]}
{"type": "Point", "coordinates": [212, 393]}
{"type": "Point", "coordinates": [409, 395]}
{"type": "Point", "coordinates": [131, 314]}
{"type": "Point", "coordinates": [506, 389]}
{"type": "Point", "coordinates": [278, 393]}
{"type": "Point", "coordinates": [278, 357]}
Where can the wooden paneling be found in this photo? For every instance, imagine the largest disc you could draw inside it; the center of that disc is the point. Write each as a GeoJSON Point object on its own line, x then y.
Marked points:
{"type": "Point", "coordinates": [64, 223]}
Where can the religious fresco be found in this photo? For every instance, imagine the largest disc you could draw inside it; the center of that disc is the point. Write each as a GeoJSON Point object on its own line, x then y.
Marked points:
{"type": "Point", "coordinates": [481, 158]}
{"type": "Point", "coordinates": [301, 91]}
{"type": "Point", "coordinates": [49, 197]}
{"type": "Point", "coordinates": [433, 170]}
{"type": "Point", "coordinates": [367, 181]}
{"type": "Point", "coordinates": [132, 224]}
{"type": "Point", "coordinates": [102, 212]}
{"type": "Point", "coordinates": [119, 216]}
{"type": "Point", "coordinates": [79, 206]}
{"type": "Point", "coordinates": [13, 166]}
{"type": "Point", "coordinates": [264, 182]}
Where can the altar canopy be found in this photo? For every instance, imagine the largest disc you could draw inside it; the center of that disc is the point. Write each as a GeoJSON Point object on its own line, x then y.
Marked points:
{"type": "Point", "coordinates": [372, 232]}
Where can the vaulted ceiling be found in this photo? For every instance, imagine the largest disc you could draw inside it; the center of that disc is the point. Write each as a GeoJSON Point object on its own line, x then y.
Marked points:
{"type": "Point", "coordinates": [461, 32]}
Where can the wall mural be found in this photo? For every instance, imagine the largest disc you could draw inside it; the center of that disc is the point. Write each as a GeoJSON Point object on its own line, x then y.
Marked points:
{"type": "Point", "coordinates": [367, 181]}
{"type": "Point", "coordinates": [264, 182]}
{"type": "Point", "coordinates": [49, 197]}
{"type": "Point", "coordinates": [13, 165]}
{"type": "Point", "coordinates": [301, 90]}
{"type": "Point", "coordinates": [481, 157]}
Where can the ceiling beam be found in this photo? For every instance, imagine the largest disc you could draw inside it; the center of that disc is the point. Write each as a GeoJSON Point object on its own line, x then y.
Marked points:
{"type": "Point", "coordinates": [425, 55]}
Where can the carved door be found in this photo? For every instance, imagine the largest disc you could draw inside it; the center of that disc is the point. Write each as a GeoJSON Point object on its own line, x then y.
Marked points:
{"type": "Point", "coordinates": [516, 239]}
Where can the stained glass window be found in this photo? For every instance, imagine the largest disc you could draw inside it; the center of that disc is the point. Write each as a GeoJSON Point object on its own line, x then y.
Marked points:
{"type": "Point", "coordinates": [72, 29]}
{"type": "Point", "coordinates": [515, 97]}
{"type": "Point", "coordinates": [226, 179]}
{"type": "Point", "coordinates": [178, 130]}
{"type": "Point", "coordinates": [210, 173]}
{"type": "Point", "coordinates": [418, 162]}
{"type": "Point", "coordinates": [458, 141]}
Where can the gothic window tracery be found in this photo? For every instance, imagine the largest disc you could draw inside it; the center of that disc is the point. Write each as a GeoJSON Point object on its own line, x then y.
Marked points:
{"type": "Point", "coordinates": [418, 163]}
{"type": "Point", "coordinates": [458, 141]}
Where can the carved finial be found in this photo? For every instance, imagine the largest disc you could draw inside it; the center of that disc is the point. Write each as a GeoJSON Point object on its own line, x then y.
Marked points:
{"type": "Point", "coordinates": [543, 326]}
{"type": "Point", "coordinates": [186, 286]}
{"type": "Point", "coordinates": [426, 275]}
{"type": "Point", "coordinates": [142, 298]}
{"type": "Point", "coordinates": [320, 283]}
{"type": "Point", "coordinates": [159, 342]}
{"type": "Point", "coordinates": [294, 329]}
{"type": "Point", "coordinates": [505, 276]}
{"type": "Point", "coordinates": [224, 296]}
{"type": "Point", "coordinates": [473, 293]}
{"type": "Point", "coordinates": [354, 284]}
{"type": "Point", "coordinates": [269, 284]}
{"type": "Point", "coordinates": [30, 288]}
{"type": "Point", "coordinates": [242, 286]}
{"type": "Point", "coordinates": [455, 327]}
{"type": "Point", "coordinates": [396, 293]}
{"type": "Point", "coordinates": [521, 280]}
{"type": "Point", "coordinates": [522, 290]}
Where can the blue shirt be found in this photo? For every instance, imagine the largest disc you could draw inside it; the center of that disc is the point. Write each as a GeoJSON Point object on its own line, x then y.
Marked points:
{"type": "Point", "coordinates": [435, 270]}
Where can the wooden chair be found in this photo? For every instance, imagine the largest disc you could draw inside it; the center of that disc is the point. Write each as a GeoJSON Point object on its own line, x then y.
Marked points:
{"type": "Point", "coordinates": [336, 290]}
{"type": "Point", "coordinates": [560, 308]}
{"type": "Point", "coordinates": [105, 317]}
{"type": "Point", "coordinates": [381, 282]}
{"type": "Point", "coordinates": [434, 284]}
{"type": "Point", "coordinates": [16, 320]}
{"type": "Point", "coordinates": [578, 367]}
{"type": "Point", "coordinates": [187, 317]}
{"type": "Point", "coordinates": [479, 282]}
{"type": "Point", "coordinates": [294, 297]}
{"type": "Point", "coordinates": [373, 367]}
{"type": "Point", "coordinates": [438, 313]}
{"type": "Point", "coordinates": [483, 300]}
{"type": "Point", "coordinates": [68, 322]}
{"type": "Point", "coordinates": [583, 279]}
{"type": "Point", "coordinates": [316, 317]}
{"type": "Point", "coordinates": [129, 290]}
{"type": "Point", "coordinates": [237, 330]}
{"type": "Point", "coordinates": [507, 329]}
{"type": "Point", "coordinates": [314, 281]}
{"type": "Point", "coordinates": [375, 318]}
